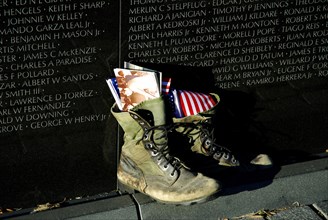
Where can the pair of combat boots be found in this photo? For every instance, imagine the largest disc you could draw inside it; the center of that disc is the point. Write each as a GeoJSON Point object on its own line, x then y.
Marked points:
{"type": "Point", "coordinates": [146, 164]}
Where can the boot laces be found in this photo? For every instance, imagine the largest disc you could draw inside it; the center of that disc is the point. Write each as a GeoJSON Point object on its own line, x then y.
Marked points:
{"type": "Point", "coordinates": [159, 146]}
{"type": "Point", "coordinates": [203, 130]}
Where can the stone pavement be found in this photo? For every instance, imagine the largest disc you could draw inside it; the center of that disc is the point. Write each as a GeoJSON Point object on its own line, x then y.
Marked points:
{"type": "Point", "coordinates": [298, 191]}
{"type": "Point", "coordinates": [316, 211]}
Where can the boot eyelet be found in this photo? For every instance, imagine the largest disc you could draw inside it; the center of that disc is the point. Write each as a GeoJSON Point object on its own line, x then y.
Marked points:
{"type": "Point", "coordinates": [207, 142]}
{"type": "Point", "coordinates": [165, 167]}
{"type": "Point", "coordinates": [149, 145]}
{"type": "Point", "coordinates": [172, 174]}
{"type": "Point", "coordinates": [154, 154]}
{"type": "Point", "coordinates": [217, 155]}
{"type": "Point", "coordinates": [226, 156]}
{"type": "Point", "coordinates": [146, 136]}
{"type": "Point", "coordinates": [233, 160]}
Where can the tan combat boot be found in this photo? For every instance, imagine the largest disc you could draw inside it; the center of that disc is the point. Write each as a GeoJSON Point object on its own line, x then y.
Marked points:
{"type": "Point", "coordinates": [145, 164]}
{"type": "Point", "coordinates": [200, 131]}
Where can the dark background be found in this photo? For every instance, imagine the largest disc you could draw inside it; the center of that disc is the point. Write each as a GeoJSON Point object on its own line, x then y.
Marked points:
{"type": "Point", "coordinates": [288, 120]}
{"type": "Point", "coordinates": [71, 162]}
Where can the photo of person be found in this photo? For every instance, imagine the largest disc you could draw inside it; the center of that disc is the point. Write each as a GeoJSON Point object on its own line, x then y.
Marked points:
{"type": "Point", "coordinates": [136, 86]}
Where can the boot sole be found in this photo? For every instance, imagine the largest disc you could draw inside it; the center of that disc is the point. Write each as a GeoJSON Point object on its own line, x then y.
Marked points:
{"type": "Point", "coordinates": [192, 202]}
{"type": "Point", "coordinates": [132, 190]}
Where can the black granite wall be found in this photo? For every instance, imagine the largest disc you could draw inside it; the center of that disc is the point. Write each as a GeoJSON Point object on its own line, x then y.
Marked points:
{"type": "Point", "coordinates": [58, 139]}
{"type": "Point", "coordinates": [267, 60]}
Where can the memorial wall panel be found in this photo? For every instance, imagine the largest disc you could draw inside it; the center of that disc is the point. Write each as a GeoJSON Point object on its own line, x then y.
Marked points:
{"type": "Point", "coordinates": [58, 140]}
{"type": "Point", "coordinates": [274, 51]}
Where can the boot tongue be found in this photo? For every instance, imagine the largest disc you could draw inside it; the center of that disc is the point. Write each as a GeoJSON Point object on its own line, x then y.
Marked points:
{"type": "Point", "coordinates": [153, 111]}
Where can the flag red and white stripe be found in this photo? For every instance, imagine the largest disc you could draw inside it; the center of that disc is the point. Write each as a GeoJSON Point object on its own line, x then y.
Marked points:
{"type": "Point", "coordinates": [193, 102]}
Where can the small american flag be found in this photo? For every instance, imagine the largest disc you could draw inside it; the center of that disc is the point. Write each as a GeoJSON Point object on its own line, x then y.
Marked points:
{"type": "Point", "coordinates": [175, 104]}
{"type": "Point", "coordinates": [188, 103]}
{"type": "Point", "coordinates": [114, 82]}
{"type": "Point", "coordinates": [166, 84]}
